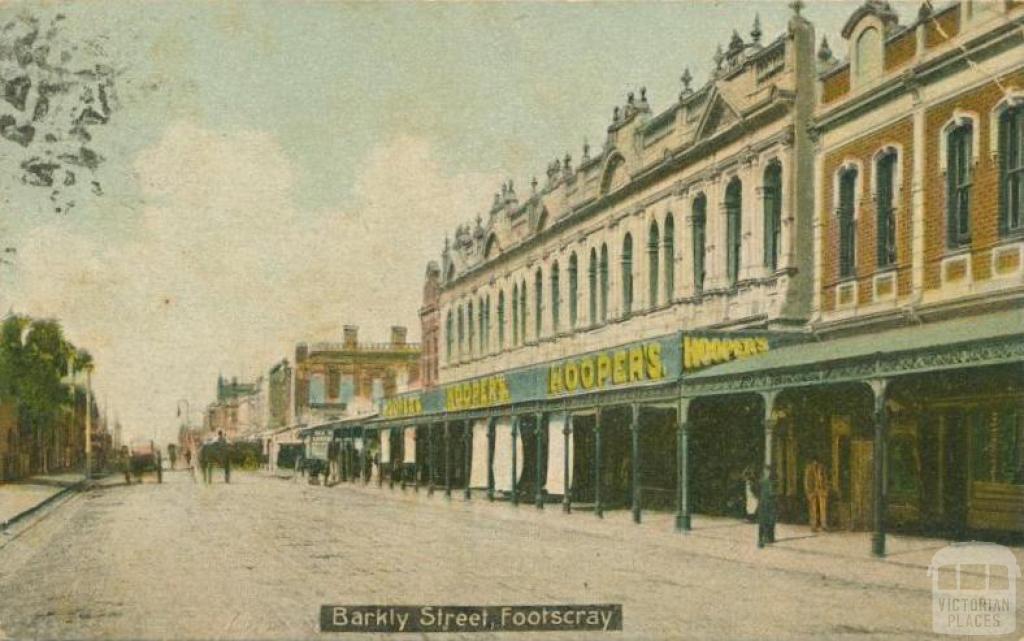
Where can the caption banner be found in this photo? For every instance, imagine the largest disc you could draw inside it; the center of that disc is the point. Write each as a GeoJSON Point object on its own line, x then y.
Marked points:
{"type": "Point", "coordinates": [469, 618]}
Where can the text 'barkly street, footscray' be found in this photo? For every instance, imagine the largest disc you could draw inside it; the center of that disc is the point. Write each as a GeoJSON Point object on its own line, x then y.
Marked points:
{"type": "Point", "coordinates": [463, 618]}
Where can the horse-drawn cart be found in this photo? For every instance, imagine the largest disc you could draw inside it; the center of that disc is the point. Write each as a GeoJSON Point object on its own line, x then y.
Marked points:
{"type": "Point", "coordinates": [140, 459]}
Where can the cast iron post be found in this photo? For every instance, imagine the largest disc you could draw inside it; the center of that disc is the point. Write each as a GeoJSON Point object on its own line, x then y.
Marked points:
{"type": "Point", "coordinates": [566, 485]}
{"type": "Point", "coordinates": [539, 467]}
{"type": "Point", "coordinates": [683, 465]}
{"type": "Point", "coordinates": [598, 508]}
{"type": "Point", "coordinates": [879, 454]}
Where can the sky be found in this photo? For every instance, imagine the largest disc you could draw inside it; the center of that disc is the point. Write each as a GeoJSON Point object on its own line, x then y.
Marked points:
{"type": "Point", "coordinates": [276, 170]}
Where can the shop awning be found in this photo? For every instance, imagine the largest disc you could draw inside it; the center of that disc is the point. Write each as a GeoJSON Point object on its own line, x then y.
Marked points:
{"type": "Point", "coordinates": [975, 341]}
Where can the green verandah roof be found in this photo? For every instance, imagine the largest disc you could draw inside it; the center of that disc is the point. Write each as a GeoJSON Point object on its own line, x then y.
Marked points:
{"type": "Point", "coordinates": [964, 342]}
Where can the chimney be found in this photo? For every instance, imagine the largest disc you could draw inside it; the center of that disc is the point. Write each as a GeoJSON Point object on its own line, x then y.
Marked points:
{"type": "Point", "coordinates": [351, 334]}
{"type": "Point", "coordinates": [398, 334]}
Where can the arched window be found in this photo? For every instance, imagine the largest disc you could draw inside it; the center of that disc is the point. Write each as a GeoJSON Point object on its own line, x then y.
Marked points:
{"type": "Point", "coordinates": [592, 286]}
{"type": "Point", "coordinates": [670, 258]}
{"type": "Point", "coordinates": [522, 311]}
{"type": "Point", "coordinates": [470, 345]}
{"type": "Point", "coordinates": [885, 230]}
{"type": "Point", "coordinates": [869, 55]}
{"type": "Point", "coordinates": [573, 290]}
{"type": "Point", "coordinates": [653, 248]}
{"type": "Point", "coordinates": [959, 176]}
{"type": "Point", "coordinates": [772, 193]}
{"type": "Point", "coordinates": [515, 314]}
{"type": "Point", "coordinates": [603, 276]}
{"type": "Point", "coordinates": [449, 336]}
{"type": "Point", "coordinates": [555, 291]}
{"type": "Point", "coordinates": [501, 319]}
{"type": "Point", "coordinates": [700, 226]}
{"type": "Point", "coordinates": [733, 228]}
{"type": "Point", "coordinates": [482, 318]}
{"type": "Point", "coordinates": [627, 274]}
{"type": "Point", "coordinates": [1011, 170]}
{"type": "Point", "coordinates": [462, 334]}
{"type": "Point", "coordinates": [538, 303]}
{"type": "Point", "coordinates": [847, 221]}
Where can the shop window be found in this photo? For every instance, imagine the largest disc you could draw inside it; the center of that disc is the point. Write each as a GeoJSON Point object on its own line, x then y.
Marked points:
{"type": "Point", "coordinates": [538, 302]}
{"type": "Point", "coordinates": [1011, 160]}
{"type": "Point", "coordinates": [670, 258]}
{"type": "Point", "coordinates": [772, 195]}
{"type": "Point", "coordinates": [603, 268]}
{"type": "Point", "coordinates": [1011, 449]}
{"type": "Point", "coordinates": [903, 472]}
{"type": "Point", "coordinates": [700, 205]}
{"type": "Point", "coordinates": [592, 287]}
{"type": "Point", "coordinates": [627, 274]}
{"type": "Point", "coordinates": [733, 228]}
{"type": "Point", "coordinates": [555, 291]}
{"type": "Point", "coordinates": [653, 249]}
{"type": "Point", "coordinates": [885, 174]}
{"type": "Point", "coordinates": [847, 221]}
{"type": "Point", "coordinates": [573, 290]}
{"type": "Point", "coordinates": [959, 174]}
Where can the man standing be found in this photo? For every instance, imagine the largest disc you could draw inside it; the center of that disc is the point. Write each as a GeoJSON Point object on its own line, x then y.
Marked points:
{"type": "Point", "coordinates": [225, 455]}
{"type": "Point", "coordinates": [816, 490]}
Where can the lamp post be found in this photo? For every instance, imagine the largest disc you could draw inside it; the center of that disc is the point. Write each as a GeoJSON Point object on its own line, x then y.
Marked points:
{"type": "Point", "coordinates": [88, 422]}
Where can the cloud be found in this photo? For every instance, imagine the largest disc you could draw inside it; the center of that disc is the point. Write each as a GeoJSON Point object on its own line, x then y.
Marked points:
{"type": "Point", "coordinates": [221, 273]}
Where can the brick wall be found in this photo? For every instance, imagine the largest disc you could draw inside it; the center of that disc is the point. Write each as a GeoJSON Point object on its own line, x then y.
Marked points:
{"type": "Point", "coordinates": [947, 22]}
{"type": "Point", "coordinates": [835, 86]}
{"type": "Point", "coordinates": [900, 50]}
{"type": "Point", "coordinates": [985, 187]}
{"type": "Point", "coordinates": [899, 133]}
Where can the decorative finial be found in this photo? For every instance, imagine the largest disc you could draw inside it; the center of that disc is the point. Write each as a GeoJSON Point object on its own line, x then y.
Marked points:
{"type": "Point", "coordinates": [797, 6]}
{"type": "Point", "coordinates": [686, 79]}
{"type": "Point", "coordinates": [719, 57]}
{"type": "Point", "coordinates": [533, 184]}
{"type": "Point", "coordinates": [755, 32]}
{"type": "Point", "coordinates": [735, 43]}
{"type": "Point", "coordinates": [643, 94]}
{"type": "Point", "coordinates": [586, 150]}
{"type": "Point", "coordinates": [511, 187]}
{"type": "Point", "coordinates": [925, 11]}
{"type": "Point", "coordinates": [567, 162]}
{"type": "Point", "coordinates": [615, 114]}
{"type": "Point", "coordinates": [824, 51]}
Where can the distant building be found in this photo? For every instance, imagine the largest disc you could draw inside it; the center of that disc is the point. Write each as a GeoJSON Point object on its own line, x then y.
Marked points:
{"type": "Point", "coordinates": [337, 380]}
{"type": "Point", "coordinates": [238, 409]}
{"type": "Point", "coordinates": [281, 397]}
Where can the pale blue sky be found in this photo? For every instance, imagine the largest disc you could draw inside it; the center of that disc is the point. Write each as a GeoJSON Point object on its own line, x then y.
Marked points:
{"type": "Point", "coordinates": [279, 169]}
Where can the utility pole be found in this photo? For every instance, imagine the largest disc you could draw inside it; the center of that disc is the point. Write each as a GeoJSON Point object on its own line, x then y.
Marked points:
{"type": "Point", "coordinates": [88, 422]}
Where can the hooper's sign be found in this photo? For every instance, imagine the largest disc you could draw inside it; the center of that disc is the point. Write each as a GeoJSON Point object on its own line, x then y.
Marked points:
{"type": "Point", "coordinates": [482, 392]}
{"type": "Point", "coordinates": [616, 367]}
{"type": "Point", "coordinates": [702, 351]}
{"type": "Point", "coordinates": [403, 406]}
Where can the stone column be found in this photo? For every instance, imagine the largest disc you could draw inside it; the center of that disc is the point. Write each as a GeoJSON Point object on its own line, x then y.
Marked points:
{"type": "Point", "coordinates": [880, 493]}
{"type": "Point", "coordinates": [634, 430]}
{"type": "Point", "coordinates": [683, 523]}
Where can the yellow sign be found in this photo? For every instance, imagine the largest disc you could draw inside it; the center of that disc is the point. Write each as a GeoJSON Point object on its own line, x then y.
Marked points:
{"type": "Point", "coordinates": [483, 392]}
{"type": "Point", "coordinates": [618, 367]}
{"type": "Point", "coordinates": [701, 352]}
{"type": "Point", "coordinates": [403, 406]}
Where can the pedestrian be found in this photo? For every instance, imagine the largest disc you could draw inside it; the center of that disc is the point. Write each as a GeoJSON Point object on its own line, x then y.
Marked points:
{"type": "Point", "coordinates": [816, 491]}
{"type": "Point", "coordinates": [766, 510]}
{"type": "Point", "coordinates": [225, 455]}
{"type": "Point", "coordinates": [126, 464]}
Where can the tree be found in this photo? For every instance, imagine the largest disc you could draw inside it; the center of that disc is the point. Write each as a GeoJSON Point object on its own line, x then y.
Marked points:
{"type": "Point", "coordinates": [54, 94]}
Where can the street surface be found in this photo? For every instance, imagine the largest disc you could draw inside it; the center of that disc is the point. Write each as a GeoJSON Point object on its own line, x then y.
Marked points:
{"type": "Point", "coordinates": [257, 558]}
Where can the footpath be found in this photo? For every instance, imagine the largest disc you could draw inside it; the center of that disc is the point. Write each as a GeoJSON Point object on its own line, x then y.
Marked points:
{"type": "Point", "coordinates": [20, 499]}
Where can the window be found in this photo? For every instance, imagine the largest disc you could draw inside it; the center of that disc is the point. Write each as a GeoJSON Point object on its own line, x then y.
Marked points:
{"type": "Point", "coordinates": [555, 291]}
{"type": "Point", "coordinates": [868, 55]}
{"type": "Point", "coordinates": [470, 346]}
{"type": "Point", "coordinates": [670, 258]}
{"type": "Point", "coordinates": [885, 175]}
{"type": "Point", "coordinates": [538, 303]}
{"type": "Point", "coordinates": [733, 228]}
{"type": "Point", "coordinates": [700, 222]}
{"type": "Point", "coordinates": [522, 311]}
{"type": "Point", "coordinates": [449, 336]}
{"type": "Point", "coordinates": [461, 330]}
{"type": "Point", "coordinates": [515, 314]}
{"type": "Point", "coordinates": [1011, 170]}
{"type": "Point", "coordinates": [501, 319]}
{"type": "Point", "coordinates": [603, 268]}
{"type": "Point", "coordinates": [772, 193]}
{"type": "Point", "coordinates": [959, 150]}
{"type": "Point", "coordinates": [592, 286]}
{"type": "Point", "coordinates": [653, 246]}
{"type": "Point", "coordinates": [487, 323]}
{"type": "Point", "coordinates": [573, 289]}
{"type": "Point", "coordinates": [482, 317]}
{"type": "Point", "coordinates": [627, 274]}
{"type": "Point", "coordinates": [847, 221]}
